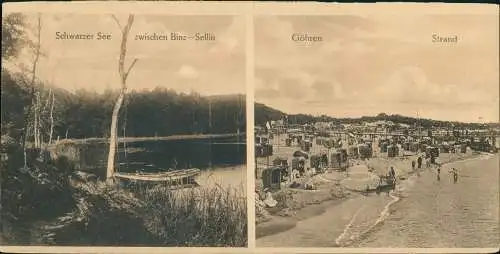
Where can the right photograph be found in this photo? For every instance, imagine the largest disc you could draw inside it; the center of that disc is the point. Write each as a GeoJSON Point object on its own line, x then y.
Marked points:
{"type": "Point", "coordinates": [377, 131]}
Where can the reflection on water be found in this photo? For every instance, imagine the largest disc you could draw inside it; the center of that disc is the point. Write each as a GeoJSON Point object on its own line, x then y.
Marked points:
{"type": "Point", "coordinates": [164, 155]}
{"type": "Point", "coordinates": [233, 177]}
{"type": "Point", "coordinates": [222, 159]}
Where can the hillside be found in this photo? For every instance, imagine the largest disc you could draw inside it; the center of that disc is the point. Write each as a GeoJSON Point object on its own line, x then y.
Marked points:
{"type": "Point", "coordinates": [265, 113]}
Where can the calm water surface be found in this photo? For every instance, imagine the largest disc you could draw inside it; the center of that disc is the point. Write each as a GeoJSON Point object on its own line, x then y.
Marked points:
{"type": "Point", "coordinates": [221, 160]}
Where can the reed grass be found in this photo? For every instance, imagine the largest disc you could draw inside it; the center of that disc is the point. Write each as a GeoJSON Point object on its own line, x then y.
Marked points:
{"type": "Point", "coordinates": [204, 216]}
{"type": "Point", "coordinates": [108, 215]}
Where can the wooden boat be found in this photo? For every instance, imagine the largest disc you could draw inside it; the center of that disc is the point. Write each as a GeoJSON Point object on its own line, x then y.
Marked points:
{"type": "Point", "coordinates": [176, 178]}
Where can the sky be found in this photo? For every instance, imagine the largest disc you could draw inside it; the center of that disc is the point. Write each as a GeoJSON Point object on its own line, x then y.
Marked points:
{"type": "Point", "coordinates": [205, 67]}
{"type": "Point", "coordinates": [367, 65]}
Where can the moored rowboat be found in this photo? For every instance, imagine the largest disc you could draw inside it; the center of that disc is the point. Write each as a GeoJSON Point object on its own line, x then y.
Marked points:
{"type": "Point", "coordinates": [168, 176]}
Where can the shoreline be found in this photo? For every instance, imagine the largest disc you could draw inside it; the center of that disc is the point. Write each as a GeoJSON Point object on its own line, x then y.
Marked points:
{"type": "Point", "coordinates": [277, 221]}
{"type": "Point", "coordinates": [357, 242]}
{"type": "Point", "coordinates": [278, 224]}
{"type": "Point", "coordinates": [165, 138]}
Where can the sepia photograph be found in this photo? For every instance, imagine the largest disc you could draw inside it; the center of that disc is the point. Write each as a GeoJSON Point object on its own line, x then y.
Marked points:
{"type": "Point", "coordinates": [123, 130]}
{"type": "Point", "coordinates": [377, 131]}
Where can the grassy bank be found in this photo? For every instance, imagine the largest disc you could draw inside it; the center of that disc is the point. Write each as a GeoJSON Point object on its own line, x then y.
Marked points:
{"type": "Point", "coordinates": [107, 215]}
{"type": "Point", "coordinates": [207, 216]}
{"type": "Point", "coordinates": [152, 216]}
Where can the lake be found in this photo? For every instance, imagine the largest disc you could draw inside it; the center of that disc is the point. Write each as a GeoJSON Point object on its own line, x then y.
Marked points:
{"type": "Point", "coordinates": [222, 160]}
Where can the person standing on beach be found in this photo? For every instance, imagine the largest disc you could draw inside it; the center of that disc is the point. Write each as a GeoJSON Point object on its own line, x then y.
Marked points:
{"type": "Point", "coordinates": [174, 163]}
{"type": "Point", "coordinates": [419, 162]}
{"type": "Point", "coordinates": [392, 173]}
{"type": "Point", "coordinates": [454, 172]}
{"type": "Point", "coordinates": [413, 165]}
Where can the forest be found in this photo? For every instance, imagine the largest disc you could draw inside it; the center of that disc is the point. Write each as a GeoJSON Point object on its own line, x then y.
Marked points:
{"type": "Point", "coordinates": [86, 114]}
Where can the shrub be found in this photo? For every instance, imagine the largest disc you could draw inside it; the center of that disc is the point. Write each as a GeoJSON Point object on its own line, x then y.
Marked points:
{"type": "Point", "coordinates": [29, 194]}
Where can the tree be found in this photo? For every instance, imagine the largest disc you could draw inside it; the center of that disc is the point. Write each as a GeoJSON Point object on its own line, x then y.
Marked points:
{"type": "Point", "coordinates": [13, 36]}
{"type": "Point", "coordinates": [113, 140]}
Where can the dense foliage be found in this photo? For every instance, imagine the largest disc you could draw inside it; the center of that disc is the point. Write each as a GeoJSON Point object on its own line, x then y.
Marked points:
{"type": "Point", "coordinates": [159, 112]}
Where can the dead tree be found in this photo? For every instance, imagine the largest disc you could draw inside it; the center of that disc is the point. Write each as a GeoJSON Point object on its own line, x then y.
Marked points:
{"type": "Point", "coordinates": [33, 108]}
{"type": "Point", "coordinates": [35, 91]}
{"type": "Point", "coordinates": [52, 117]}
{"type": "Point", "coordinates": [113, 140]}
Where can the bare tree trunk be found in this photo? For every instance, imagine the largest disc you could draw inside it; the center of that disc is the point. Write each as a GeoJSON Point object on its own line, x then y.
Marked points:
{"type": "Point", "coordinates": [33, 78]}
{"type": "Point", "coordinates": [124, 135]}
{"type": "Point", "coordinates": [113, 137]}
{"type": "Point", "coordinates": [37, 120]}
{"type": "Point", "coordinates": [35, 123]}
{"type": "Point", "coordinates": [33, 69]}
{"type": "Point", "coordinates": [51, 118]}
{"type": "Point", "coordinates": [116, 110]}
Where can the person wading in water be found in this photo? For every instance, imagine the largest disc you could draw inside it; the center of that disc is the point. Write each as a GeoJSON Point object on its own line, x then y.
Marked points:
{"type": "Point", "coordinates": [174, 163]}
{"type": "Point", "coordinates": [438, 173]}
{"type": "Point", "coordinates": [392, 174]}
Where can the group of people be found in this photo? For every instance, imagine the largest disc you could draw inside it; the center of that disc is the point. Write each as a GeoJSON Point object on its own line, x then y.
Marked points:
{"type": "Point", "coordinates": [452, 171]}
{"type": "Point", "coordinates": [418, 164]}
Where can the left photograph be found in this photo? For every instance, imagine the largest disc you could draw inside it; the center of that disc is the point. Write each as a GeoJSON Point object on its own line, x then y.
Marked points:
{"type": "Point", "coordinates": [123, 130]}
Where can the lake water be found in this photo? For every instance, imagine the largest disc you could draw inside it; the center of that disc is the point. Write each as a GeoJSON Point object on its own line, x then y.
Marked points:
{"type": "Point", "coordinates": [169, 154]}
{"type": "Point", "coordinates": [222, 160]}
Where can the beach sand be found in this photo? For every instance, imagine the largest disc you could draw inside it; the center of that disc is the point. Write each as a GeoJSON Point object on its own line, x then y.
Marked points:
{"type": "Point", "coordinates": [333, 188]}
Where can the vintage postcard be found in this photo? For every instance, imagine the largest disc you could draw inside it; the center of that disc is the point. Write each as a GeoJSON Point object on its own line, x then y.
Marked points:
{"type": "Point", "coordinates": [198, 127]}
{"type": "Point", "coordinates": [123, 130]}
{"type": "Point", "coordinates": [377, 130]}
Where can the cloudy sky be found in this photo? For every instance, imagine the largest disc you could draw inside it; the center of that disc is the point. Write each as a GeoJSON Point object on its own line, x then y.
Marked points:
{"type": "Point", "coordinates": [366, 65]}
{"type": "Point", "coordinates": [207, 67]}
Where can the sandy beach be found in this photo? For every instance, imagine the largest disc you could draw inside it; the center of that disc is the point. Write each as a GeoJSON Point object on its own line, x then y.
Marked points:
{"type": "Point", "coordinates": [344, 192]}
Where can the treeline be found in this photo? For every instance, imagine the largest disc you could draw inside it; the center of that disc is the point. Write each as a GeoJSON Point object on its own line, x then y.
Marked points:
{"type": "Point", "coordinates": [156, 112]}
{"type": "Point", "coordinates": [265, 113]}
